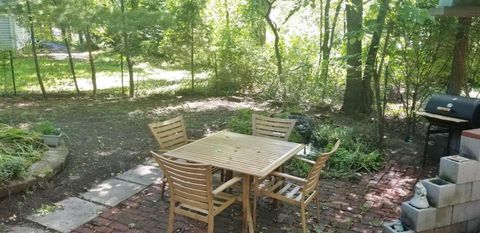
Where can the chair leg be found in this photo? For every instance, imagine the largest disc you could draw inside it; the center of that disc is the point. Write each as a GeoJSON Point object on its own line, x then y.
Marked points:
{"type": "Point", "coordinates": [211, 222]}
{"type": "Point", "coordinates": [304, 221]}
{"type": "Point", "coordinates": [255, 195]}
{"type": "Point", "coordinates": [171, 217]}
{"type": "Point", "coordinates": [317, 202]}
{"type": "Point", "coordinates": [222, 175]}
{"type": "Point", "coordinates": [164, 183]}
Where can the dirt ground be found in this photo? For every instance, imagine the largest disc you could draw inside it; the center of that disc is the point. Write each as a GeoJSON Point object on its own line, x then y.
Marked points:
{"type": "Point", "coordinates": [105, 136]}
{"type": "Point", "coordinates": [110, 135]}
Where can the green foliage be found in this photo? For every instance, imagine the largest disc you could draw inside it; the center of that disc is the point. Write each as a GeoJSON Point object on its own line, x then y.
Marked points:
{"type": "Point", "coordinates": [298, 167]}
{"type": "Point", "coordinates": [356, 153]}
{"type": "Point", "coordinates": [47, 128]}
{"type": "Point", "coordinates": [18, 150]}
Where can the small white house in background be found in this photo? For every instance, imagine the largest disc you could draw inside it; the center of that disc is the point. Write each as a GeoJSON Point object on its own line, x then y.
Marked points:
{"type": "Point", "coordinates": [12, 36]}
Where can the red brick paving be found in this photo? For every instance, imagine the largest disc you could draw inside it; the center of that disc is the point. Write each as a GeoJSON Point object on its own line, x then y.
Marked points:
{"type": "Point", "coordinates": [347, 206]}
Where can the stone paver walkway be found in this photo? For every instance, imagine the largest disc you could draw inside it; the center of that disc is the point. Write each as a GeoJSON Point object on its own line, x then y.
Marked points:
{"type": "Point", "coordinates": [130, 202]}
{"type": "Point", "coordinates": [347, 206]}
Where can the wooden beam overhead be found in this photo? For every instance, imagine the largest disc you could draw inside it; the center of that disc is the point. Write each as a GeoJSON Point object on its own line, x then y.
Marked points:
{"type": "Point", "coordinates": [456, 11]}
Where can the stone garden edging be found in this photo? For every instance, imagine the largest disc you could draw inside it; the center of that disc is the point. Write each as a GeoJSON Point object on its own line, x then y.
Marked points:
{"type": "Point", "coordinates": [41, 171]}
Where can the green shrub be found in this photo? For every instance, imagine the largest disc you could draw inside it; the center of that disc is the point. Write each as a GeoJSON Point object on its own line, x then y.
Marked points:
{"type": "Point", "coordinates": [46, 128]}
{"type": "Point", "coordinates": [356, 152]}
{"type": "Point", "coordinates": [18, 150]}
{"type": "Point", "coordinates": [241, 122]}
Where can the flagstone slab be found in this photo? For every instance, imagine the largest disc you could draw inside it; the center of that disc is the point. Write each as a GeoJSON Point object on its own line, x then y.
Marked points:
{"type": "Point", "coordinates": [24, 229]}
{"type": "Point", "coordinates": [112, 191]}
{"type": "Point", "coordinates": [72, 213]}
{"type": "Point", "coordinates": [145, 175]}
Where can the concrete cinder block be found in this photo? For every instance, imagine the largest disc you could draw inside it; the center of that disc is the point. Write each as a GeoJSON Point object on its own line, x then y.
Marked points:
{"type": "Point", "coordinates": [387, 228]}
{"type": "Point", "coordinates": [418, 219]}
{"type": "Point", "coordinates": [442, 193]}
{"type": "Point", "coordinates": [470, 147]}
{"type": "Point", "coordinates": [466, 211]}
{"type": "Point", "coordinates": [444, 216]}
{"type": "Point", "coordinates": [459, 170]}
{"type": "Point", "coordinates": [473, 226]}
{"type": "Point", "coordinates": [454, 228]}
{"type": "Point", "coordinates": [475, 191]}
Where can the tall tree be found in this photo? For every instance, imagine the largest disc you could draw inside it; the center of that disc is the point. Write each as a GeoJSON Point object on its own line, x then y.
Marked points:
{"type": "Point", "coordinates": [460, 53]}
{"type": "Point", "coordinates": [327, 44]}
{"type": "Point", "coordinates": [274, 28]}
{"type": "Point", "coordinates": [34, 48]}
{"type": "Point", "coordinates": [91, 59]}
{"type": "Point", "coordinates": [370, 62]}
{"type": "Point", "coordinates": [126, 44]}
{"type": "Point", "coordinates": [354, 97]}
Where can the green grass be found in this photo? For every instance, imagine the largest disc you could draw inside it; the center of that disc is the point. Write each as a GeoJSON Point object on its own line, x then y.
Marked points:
{"type": "Point", "coordinates": [19, 149]}
{"type": "Point", "coordinates": [54, 72]}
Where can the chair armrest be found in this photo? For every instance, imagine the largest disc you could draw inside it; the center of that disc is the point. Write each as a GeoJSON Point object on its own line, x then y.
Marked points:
{"type": "Point", "coordinates": [226, 185]}
{"type": "Point", "coordinates": [306, 160]}
{"type": "Point", "coordinates": [287, 176]}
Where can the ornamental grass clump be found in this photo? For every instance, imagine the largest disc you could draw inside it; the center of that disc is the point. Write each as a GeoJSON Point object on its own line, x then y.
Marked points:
{"type": "Point", "coordinates": [19, 149]}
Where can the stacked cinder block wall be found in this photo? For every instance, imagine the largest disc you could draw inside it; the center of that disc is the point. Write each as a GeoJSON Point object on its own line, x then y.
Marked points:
{"type": "Point", "coordinates": [454, 195]}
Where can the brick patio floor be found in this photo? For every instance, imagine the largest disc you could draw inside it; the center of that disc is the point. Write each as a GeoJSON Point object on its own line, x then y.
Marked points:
{"type": "Point", "coordinates": [347, 206]}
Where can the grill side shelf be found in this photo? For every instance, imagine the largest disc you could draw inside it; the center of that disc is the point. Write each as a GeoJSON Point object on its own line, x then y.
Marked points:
{"type": "Point", "coordinates": [440, 117]}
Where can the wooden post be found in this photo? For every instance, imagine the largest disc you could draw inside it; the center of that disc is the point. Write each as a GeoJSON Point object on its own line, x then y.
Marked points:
{"type": "Point", "coordinates": [457, 77]}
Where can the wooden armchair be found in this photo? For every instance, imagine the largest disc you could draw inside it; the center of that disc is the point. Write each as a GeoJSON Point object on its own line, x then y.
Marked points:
{"type": "Point", "coordinates": [171, 134]}
{"type": "Point", "coordinates": [301, 192]}
{"type": "Point", "coordinates": [272, 127]}
{"type": "Point", "coordinates": [191, 191]}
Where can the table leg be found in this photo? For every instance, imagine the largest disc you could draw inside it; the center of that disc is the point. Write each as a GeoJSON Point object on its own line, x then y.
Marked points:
{"type": "Point", "coordinates": [247, 215]}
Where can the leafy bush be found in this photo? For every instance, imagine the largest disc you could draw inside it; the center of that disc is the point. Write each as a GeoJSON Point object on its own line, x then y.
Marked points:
{"type": "Point", "coordinates": [356, 153]}
{"type": "Point", "coordinates": [18, 150]}
{"type": "Point", "coordinates": [47, 128]}
{"type": "Point", "coordinates": [241, 122]}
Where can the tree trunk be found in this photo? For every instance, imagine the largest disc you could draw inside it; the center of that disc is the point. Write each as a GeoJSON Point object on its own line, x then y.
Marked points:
{"type": "Point", "coordinates": [91, 60]}
{"type": "Point", "coordinates": [378, 101]}
{"type": "Point", "coordinates": [34, 50]}
{"type": "Point", "coordinates": [122, 69]}
{"type": "Point", "coordinates": [326, 37]}
{"type": "Point", "coordinates": [192, 54]}
{"type": "Point", "coordinates": [12, 69]}
{"type": "Point", "coordinates": [457, 77]}
{"type": "Point", "coordinates": [127, 52]}
{"type": "Point", "coordinates": [370, 69]}
{"type": "Point", "coordinates": [70, 60]}
{"type": "Point", "coordinates": [130, 76]}
{"type": "Point", "coordinates": [80, 38]}
{"type": "Point", "coordinates": [354, 98]}
{"type": "Point", "coordinates": [327, 48]}
{"type": "Point", "coordinates": [273, 27]}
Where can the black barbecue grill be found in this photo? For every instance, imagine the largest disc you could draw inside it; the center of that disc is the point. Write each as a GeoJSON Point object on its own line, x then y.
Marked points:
{"type": "Point", "coordinates": [450, 114]}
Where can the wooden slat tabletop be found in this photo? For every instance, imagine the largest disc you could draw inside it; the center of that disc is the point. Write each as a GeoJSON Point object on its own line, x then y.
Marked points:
{"type": "Point", "coordinates": [252, 155]}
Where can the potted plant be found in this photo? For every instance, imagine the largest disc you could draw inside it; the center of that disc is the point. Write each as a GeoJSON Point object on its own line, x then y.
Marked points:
{"type": "Point", "coordinates": [51, 134]}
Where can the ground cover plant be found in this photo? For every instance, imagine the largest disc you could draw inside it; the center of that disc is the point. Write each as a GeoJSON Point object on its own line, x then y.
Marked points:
{"type": "Point", "coordinates": [356, 153]}
{"type": "Point", "coordinates": [19, 149]}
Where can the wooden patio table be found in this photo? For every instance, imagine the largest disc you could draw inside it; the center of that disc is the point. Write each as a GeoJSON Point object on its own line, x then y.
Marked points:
{"type": "Point", "coordinates": [252, 156]}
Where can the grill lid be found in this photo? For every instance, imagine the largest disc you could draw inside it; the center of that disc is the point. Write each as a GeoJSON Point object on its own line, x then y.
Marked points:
{"type": "Point", "coordinates": [456, 107]}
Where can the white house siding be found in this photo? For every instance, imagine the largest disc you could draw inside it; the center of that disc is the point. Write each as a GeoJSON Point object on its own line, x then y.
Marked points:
{"type": "Point", "coordinates": [7, 38]}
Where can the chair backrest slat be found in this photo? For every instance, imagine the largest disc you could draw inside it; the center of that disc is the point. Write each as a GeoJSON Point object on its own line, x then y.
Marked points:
{"type": "Point", "coordinates": [272, 127]}
{"type": "Point", "coordinates": [170, 133]}
{"type": "Point", "coordinates": [190, 183]}
{"type": "Point", "coordinates": [314, 174]}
